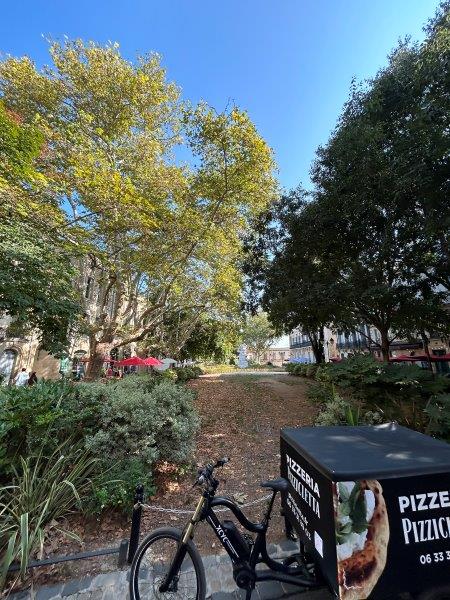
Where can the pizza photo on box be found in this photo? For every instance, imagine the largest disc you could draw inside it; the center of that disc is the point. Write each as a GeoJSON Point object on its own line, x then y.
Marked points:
{"type": "Point", "coordinates": [362, 536]}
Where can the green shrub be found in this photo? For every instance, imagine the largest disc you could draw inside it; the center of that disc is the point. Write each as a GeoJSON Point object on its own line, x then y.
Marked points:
{"type": "Point", "coordinates": [438, 412]}
{"type": "Point", "coordinates": [322, 372]}
{"type": "Point", "coordinates": [356, 372]}
{"type": "Point", "coordinates": [218, 368]}
{"type": "Point", "coordinates": [401, 390]}
{"type": "Point", "coordinates": [131, 422]}
{"type": "Point", "coordinates": [310, 371]}
{"type": "Point", "coordinates": [319, 393]}
{"type": "Point", "coordinates": [27, 415]}
{"type": "Point", "coordinates": [176, 422]}
{"type": "Point", "coordinates": [339, 411]}
{"type": "Point", "coordinates": [186, 373]}
{"type": "Point", "coordinates": [168, 374]}
{"type": "Point", "coordinates": [333, 412]}
{"type": "Point", "coordinates": [140, 423]}
{"type": "Point", "coordinates": [114, 487]}
{"type": "Point", "coordinates": [300, 370]}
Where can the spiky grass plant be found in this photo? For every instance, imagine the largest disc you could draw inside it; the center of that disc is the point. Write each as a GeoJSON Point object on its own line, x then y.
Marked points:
{"type": "Point", "coordinates": [44, 490]}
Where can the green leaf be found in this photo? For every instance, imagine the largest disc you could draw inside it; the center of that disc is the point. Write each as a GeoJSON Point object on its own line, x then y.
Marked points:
{"type": "Point", "coordinates": [359, 513]}
{"type": "Point", "coordinates": [8, 557]}
{"type": "Point", "coordinates": [344, 494]}
{"type": "Point", "coordinates": [24, 544]}
{"type": "Point", "coordinates": [344, 509]}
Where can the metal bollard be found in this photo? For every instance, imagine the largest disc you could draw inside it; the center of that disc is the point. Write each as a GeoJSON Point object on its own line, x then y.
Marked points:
{"type": "Point", "coordinates": [123, 552]}
{"type": "Point", "coordinates": [135, 522]}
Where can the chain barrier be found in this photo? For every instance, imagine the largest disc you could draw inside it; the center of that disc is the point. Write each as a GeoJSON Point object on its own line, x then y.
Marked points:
{"type": "Point", "coordinates": [178, 511]}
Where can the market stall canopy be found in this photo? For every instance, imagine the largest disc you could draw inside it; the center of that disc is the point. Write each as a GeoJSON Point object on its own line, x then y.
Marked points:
{"type": "Point", "coordinates": [133, 361]}
{"type": "Point", "coordinates": [165, 364]}
{"type": "Point", "coordinates": [152, 362]}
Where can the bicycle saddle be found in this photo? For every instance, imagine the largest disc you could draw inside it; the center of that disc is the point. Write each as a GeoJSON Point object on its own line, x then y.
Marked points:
{"type": "Point", "coordinates": [278, 485]}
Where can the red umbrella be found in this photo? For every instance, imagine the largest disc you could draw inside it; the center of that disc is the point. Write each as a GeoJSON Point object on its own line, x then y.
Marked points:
{"type": "Point", "coordinates": [152, 362]}
{"type": "Point", "coordinates": [133, 361]}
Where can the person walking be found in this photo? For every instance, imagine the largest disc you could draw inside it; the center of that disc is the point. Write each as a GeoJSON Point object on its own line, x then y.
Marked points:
{"type": "Point", "coordinates": [21, 378]}
{"type": "Point", "coordinates": [33, 378]}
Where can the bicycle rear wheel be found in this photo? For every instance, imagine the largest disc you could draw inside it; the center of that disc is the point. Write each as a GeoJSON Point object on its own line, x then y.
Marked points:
{"type": "Point", "coordinates": [152, 561]}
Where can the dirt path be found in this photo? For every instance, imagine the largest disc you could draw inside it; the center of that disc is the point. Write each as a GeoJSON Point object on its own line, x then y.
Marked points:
{"type": "Point", "coordinates": [287, 388]}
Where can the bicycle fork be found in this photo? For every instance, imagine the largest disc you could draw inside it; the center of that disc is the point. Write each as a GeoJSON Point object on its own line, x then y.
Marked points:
{"type": "Point", "coordinates": [172, 575]}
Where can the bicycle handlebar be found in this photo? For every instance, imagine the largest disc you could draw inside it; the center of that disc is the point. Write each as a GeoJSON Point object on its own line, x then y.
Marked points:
{"type": "Point", "coordinates": [205, 474]}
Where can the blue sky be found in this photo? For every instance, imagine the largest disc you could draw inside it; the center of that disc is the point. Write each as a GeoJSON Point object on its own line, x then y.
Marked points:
{"type": "Point", "coordinates": [289, 63]}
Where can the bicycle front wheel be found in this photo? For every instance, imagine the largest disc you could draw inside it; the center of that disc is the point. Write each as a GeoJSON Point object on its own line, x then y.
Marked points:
{"type": "Point", "coordinates": [152, 562]}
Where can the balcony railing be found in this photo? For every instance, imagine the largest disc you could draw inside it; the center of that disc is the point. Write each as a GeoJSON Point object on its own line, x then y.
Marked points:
{"type": "Point", "coordinates": [352, 344]}
{"type": "Point", "coordinates": [300, 344]}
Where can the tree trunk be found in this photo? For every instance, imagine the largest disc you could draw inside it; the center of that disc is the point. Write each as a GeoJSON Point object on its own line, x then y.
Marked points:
{"type": "Point", "coordinates": [317, 346]}
{"type": "Point", "coordinates": [385, 344]}
{"type": "Point", "coordinates": [97, 353]}
{"type": "Point", "coordinates": [427, 349]}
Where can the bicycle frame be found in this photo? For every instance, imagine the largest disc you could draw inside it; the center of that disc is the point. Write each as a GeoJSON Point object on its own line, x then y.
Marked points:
{"type": "Point", "coordinates": [258, 554]}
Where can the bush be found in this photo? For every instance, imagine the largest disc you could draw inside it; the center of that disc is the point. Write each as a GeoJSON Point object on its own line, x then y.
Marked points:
{"type": "Point", "coordinates": [219, 368]}
{"type": "Point", "coordinates": [114, 487]}
{"type": "Point", "coordinates": [356, 372]}
{"type": "Point", "coordinates": [320, 394]}
{"type": "Point", "coordinates": [438, 411]}
{"type": "Point", "coordinates": [374, 391]}
{"type": "Point", "coordinates": [300, 370]}
{"type": "Point", "coordinates": [340, 411]}
{"type": "Point", "coordinates": [27, 414]}
{"type": "Point", "coordinates": [401, 390]}
{"type": "Point", "coordinates": [310, 371]}
{"type": "Point", "coordinates": [322, 372]}
{"type": "Point", "coordinates": [168, 374]}
{"type": "Point", "coordinates": [129, 424]}
{"type": "Point", "coordinates": [186, 373]}
{"type": "Point", "coordinates": [140, 423]}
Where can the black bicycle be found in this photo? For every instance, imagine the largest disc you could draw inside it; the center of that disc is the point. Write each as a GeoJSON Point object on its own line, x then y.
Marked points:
{"type": "Point", "coordinates": [168, 565]}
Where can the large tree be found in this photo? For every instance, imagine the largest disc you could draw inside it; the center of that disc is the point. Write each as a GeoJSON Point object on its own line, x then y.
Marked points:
{"type": "Point", "coordinates": [371, 246]}
{"type": "Point", "coordinates": [283, 274]}
{"type": "Point", "coordinates": [258, 334]}
{"type": "Point", "coordinates": [382, 194]}
{"type": "Point", "coordinates": [212, 339]}
{"type": "Point", "coordinates": [155, 238]}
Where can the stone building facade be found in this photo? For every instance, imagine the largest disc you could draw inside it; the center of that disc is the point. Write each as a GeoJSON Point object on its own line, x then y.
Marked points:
{"type": "Point", "coordinates": [24, 351]}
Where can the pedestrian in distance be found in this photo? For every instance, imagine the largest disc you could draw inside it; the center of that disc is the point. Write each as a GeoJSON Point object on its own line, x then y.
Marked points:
{"type": "Point", "coordinates": [33, 378]}
{"type": "Point", "coordinates": [21, 378]}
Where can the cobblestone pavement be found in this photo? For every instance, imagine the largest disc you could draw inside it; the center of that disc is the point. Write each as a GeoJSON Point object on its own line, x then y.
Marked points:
{"type": "Point", "coordinates": [220, 584]}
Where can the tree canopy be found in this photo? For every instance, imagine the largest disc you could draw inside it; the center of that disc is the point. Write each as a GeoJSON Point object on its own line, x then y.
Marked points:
{"type": "Point", "coordinates": [258, 334]}
{"type": "Point", "coordinates": [370, 243]}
